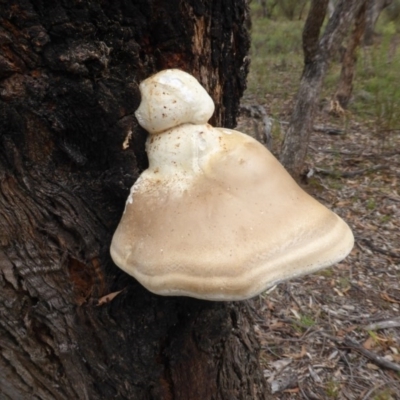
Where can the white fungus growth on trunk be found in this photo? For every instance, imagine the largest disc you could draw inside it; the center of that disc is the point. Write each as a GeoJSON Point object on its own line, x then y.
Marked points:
{"type": "Point", "coordinates": [216, 216]}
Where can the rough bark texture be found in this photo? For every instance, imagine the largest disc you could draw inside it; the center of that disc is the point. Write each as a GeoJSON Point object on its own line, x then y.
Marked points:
{"type": "Point", "coordinates": [317, 59]}
{"type": "Point", "coordinates": [349, 62]}
{"type": "Point", "coordinates": [68, 89]}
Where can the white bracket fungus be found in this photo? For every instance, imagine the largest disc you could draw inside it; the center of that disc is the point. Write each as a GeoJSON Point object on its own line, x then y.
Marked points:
{"type": "Point", "coordinates": [216, 216]}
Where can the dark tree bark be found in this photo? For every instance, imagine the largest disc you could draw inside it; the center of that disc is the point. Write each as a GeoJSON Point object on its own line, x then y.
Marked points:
{"type": "Point", "coordinates": [312, 28]}
{"type": "Point", "coordinates": [349, 61]}
{"type": "Point", "coordinates": [318, 53]}
{"type": "Point", "coordinates": [69, 73]}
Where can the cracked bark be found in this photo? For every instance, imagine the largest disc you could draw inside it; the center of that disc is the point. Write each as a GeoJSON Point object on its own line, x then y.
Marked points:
{"type": "Point", "coordinates": [69, 74]}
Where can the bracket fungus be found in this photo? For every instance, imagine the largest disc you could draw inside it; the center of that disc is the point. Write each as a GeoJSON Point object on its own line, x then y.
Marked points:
{"type": "Point", "coordinates": [216, 216]}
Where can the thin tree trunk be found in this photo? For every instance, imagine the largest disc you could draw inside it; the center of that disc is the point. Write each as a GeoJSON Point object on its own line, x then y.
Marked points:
{"type": "Point", "coordinates": [264, 9]}
{"type": "Point", "coordinates": [374, 9]}
{"type": "Point", "coordinates": [331, 7]}
{"type": "Point", "coordinates": [312, 28]}
{"type": "Point", "coordinates": [349, 62]}
{"type": "Point", "coordinates": [317, 56]}
{"type": "Point", "coordinates": [69, 74]}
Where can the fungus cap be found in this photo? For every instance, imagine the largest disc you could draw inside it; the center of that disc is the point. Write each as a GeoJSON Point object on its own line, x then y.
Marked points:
{"type": "Point", "coordinates": [216, 217]}
{"type": "Point", "coordinates": [171, 98]}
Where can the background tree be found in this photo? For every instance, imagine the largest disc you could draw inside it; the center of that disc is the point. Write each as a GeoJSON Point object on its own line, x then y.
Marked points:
{"type": "Point", "coordinates": [69, 73]}
{"type": "Point", "coordinates": [292, 8]}
{"type": "Point", "coordinates": [373, 10]}
{"type": "Point", "coordinates": [364, 28]}
{"type": "Point", "coordinates": [345, 84]}
{"type": "Point", "coordinates": [318, 53]}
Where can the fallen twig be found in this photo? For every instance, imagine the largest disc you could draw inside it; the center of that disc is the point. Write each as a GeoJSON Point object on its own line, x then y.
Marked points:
{"type": "Point", "coordinates": [349, 174]}
{"type": "Point", "coordinates": [345, 317]}
{"type": "Point", "coordinates": [330, 130]}
{"type": "Point", "coordinates": [389, 323]}
{"type": "Point", "coordinates": [304, 395]}
{"type": "Point", "coordinates": [393, 198]}
{"type": "Point", "coordinates": [382, 362]}
{"type": "Point", "coordinates": [343, 357]}
{"type": "Point", "coordinates": [295, 299]}
{"type": "Point", "coordinates": [352, 344]}
{"type": "Point", "coordinates": [357, 154]}
{"type": "Point", "coordinates": [378, 387]}
{"type": "Point", "coordinates": [378, 249]}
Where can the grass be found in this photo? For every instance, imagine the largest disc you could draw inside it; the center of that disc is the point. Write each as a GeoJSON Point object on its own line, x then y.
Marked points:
{"type": "Point", "coordinates": [344, 283]}
{"type": "Point", "coordinates": [386, 394]}
{"type": "Point", "coordinates": [385, 219]}
{"type": "Point", "coordinates": [307, 321]}
{"type": "Point", "coordinates": [371, 204]}
{"type": "Point", "coordinates": [332, 389]}
{"type": "Point", "coordinates": [276, 57]}
{"type": "Point", "coordinates": [377, 76]}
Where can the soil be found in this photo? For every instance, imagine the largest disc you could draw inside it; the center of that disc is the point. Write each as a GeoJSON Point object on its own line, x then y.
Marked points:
{"type": "Point", "coordinates": [336, 334]}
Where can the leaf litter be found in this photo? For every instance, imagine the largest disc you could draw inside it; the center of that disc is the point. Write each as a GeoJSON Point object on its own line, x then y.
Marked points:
{"type": "Point", "coordinates": [336, 334]}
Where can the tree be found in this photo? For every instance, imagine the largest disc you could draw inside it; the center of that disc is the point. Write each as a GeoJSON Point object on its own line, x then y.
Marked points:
{"type": "Point", "coordinates": [318, 53]}
{"type": "Point", "coordinates": [373, 10]}
{"type": "Point", "coordinates": [69, 73]}
{"type": "Point", "coordinates": [349, 61]}
{"type": "Point", "coordinates": [291, 8]}
{"type": "Point", "coordinates": [364, 27]}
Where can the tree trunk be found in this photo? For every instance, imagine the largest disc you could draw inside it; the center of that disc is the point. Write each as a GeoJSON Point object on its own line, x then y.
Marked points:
{"type": "Point", "coordinates": [331, 7]}
{"type": "Point", "coordinates": [317, 56]}
{"type": "Point", "coordinates": [69, 73]}
{"type": "Point", "coordinates": [374, 9]}
{"type": "Point", "coordinates": [349, 62]}
{"type": "Point", "coordinates": [263, 4]}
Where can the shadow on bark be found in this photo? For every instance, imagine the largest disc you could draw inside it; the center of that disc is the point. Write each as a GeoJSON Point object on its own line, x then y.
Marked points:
{"type": "Point", "coordinates": [69, 74]}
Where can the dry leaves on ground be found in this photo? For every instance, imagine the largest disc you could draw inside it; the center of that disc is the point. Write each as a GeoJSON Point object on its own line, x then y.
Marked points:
{"type": "Point", "coordinates": [336, 334]}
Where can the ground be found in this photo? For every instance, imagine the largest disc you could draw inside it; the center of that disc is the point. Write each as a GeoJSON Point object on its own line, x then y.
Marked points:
{"type": "Point", "coordinates": [336, 334]}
